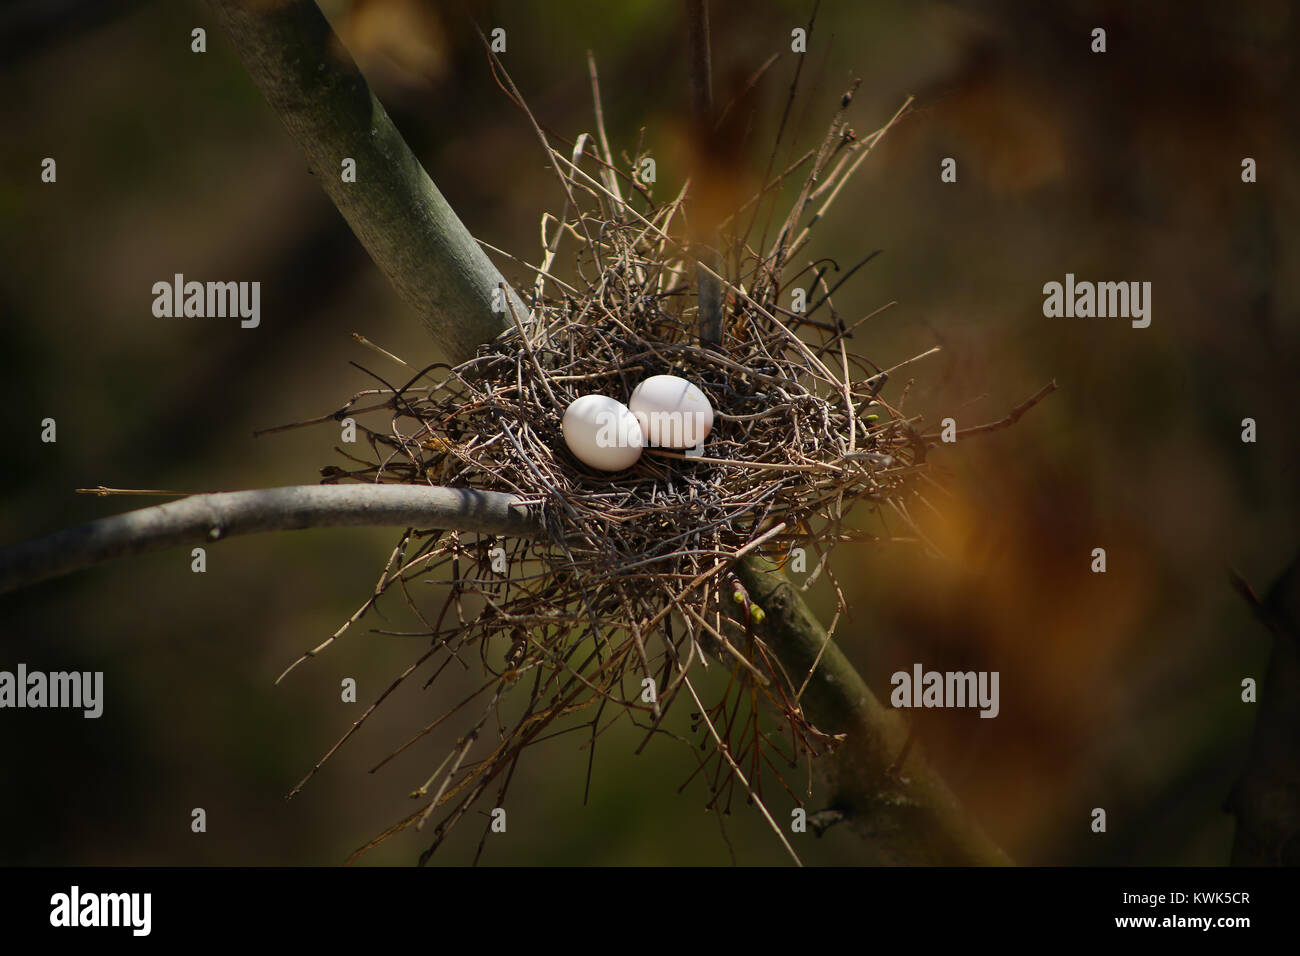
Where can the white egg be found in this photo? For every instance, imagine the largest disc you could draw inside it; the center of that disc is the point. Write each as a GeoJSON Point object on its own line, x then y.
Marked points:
{"type": "Point", "coordinates": [672, 412]}
{"type": "Point", "coordinates": [602, 433]}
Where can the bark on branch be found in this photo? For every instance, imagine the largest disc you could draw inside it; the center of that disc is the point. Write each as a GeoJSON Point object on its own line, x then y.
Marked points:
{"type": "Point", "coordinates": [312, 83]}
{"type": "Point", "coordinates": [203, 519]}
{"type": "Point", "coordinates": [877, 782]}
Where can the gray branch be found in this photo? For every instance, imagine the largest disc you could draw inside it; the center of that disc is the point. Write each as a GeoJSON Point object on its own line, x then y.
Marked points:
{"type": "Point", "coordinates": [203, 519]}
{"type": "Point", "coordinates": [312, 83]}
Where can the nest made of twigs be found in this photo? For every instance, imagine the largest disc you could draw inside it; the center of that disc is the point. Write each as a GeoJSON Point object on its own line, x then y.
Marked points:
{"type": "Point", "coordinates": [781, 462]}
{"type": "Point", "coordinates": [631, 588]}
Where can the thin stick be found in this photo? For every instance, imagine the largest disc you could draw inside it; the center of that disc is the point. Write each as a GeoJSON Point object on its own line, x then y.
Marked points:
{"type": "Point", "coordinates": [1012, 417]}
{"type": "Point", "coordinates": [611, 180]}
{"type": "Point", "coordinates": [101, 491]}
{"type": "Point", "coordinates": [382, 351]}
{"type": "Point", "coordinates": [740, 774]}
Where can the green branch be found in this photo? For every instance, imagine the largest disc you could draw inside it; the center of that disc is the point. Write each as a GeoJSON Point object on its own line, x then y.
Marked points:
{"type": "Point", "coordinates": [312, 83]}
{"type": "Point", "coordinates": [882, 787]}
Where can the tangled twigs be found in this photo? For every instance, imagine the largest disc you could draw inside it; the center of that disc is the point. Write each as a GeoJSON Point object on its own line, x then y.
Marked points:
{"type": "Point", "coordinates": [633, 586]}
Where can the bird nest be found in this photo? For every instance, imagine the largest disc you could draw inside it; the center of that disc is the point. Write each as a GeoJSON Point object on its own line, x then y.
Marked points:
{"type": "Point", "coordinates": [619, 609]}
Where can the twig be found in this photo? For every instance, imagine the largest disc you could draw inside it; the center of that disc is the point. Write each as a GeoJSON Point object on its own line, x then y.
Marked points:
{"type": "Point", "coordinates": [700, 68]}
{"type": "Point", "coordinates": [607, 174]}
{"type": "Point", "coordinates": [1012, 417]}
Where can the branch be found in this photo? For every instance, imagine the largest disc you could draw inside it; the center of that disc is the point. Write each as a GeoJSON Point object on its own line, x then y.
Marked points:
{"type": "Point", "coordinates": [1012, 417]}
{"type": "Point", "coordinates": [203, 519]}
{"type": "Point", "coordinates": [698, 62]}
{"type": "Point", "coordinates": [1266, 800]}
{"type": "Point", "coordinates": [699, 66]}
{"type": "Point", "coordinates": [878, 781]}
{"type": "Point", "coordinates": [312, 83]}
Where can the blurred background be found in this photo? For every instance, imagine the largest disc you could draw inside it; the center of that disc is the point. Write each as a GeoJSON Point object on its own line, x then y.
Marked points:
{"type": "Point", "coordinates": [1118, 690]}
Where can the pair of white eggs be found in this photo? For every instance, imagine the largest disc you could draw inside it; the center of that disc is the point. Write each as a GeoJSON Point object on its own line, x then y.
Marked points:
{"type": "Point", "coordinates": [664, 411]}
